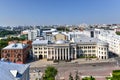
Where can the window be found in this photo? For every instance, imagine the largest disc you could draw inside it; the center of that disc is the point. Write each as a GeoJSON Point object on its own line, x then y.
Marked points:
{"type": "Point", "coordinates": [105, 57]}
{"type": "Point", "coordinates": [45, 56]}
{"type": "Point", "coordinates": [35, 48]}
{"type": "Point", "coordinates": [102, 52]}
{"type": "Point", "coordinates": [85, 51]}
{"type": "Point", "coordinates": [89, 47]}
{"type": "Point", "coordinates": [93, 46]}
{"type": "Point", "coordinates": [93, 50]}
{"type": "Point", "coordinates": [89, 54]}
{"type": "Point", "coordinates": [89, 50]}
{"type": "Point", "coordinates": [85, 47]}
{"type": "Point", "coordinates": [45, 48]}
{"type": "Point", "coordinates": [35, 52]}
{"type": "Point", "coordinates": [45, 51]}
{"type": "Point", "coordinates": [105, 53]}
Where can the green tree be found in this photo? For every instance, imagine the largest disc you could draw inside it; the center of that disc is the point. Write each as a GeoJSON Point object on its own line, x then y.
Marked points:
{"type": "Point", "coordinates": [70, 77]}
{"type": "Point", "coordinates": [50, 73]}
{"type": "Point", "coordinates": [88, 78]}
{"type": "Point", "coordinates": [4, 32]}
{"type": "Point", "coordinates": [118, 33]}
{"type": "Point", "coordinates": [77, 76]}
{"type": "Point", "coordinates": [115, 75]}
{"type": "Point", "coordinates": [62, 28]}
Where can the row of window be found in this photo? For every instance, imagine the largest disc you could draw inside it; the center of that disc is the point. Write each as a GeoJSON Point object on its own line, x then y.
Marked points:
{"type": "Point", "coordinates": [84, 51]}
{"type": "Point", "coordinates": [103, 53]}
{"type": "Point", "coordinates": [40, 48]}
{"type": "Point", "coordinates": [40, 52]}
{"type": "Point", "coordinates": [103, 48]}
{"type": "Point", "coordinates": [10, 55]}
{"type": "Point", "coordinates": [7, 51]}
{"type": "Point", "coordinates": [86, 47]}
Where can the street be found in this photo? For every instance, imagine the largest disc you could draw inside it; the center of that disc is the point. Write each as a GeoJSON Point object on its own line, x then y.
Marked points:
{"type": "Point", "coordinates": [97, 69]}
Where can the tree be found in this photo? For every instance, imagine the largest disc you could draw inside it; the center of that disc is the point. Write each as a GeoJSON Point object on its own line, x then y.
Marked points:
{"type": "Point", "coordinates": [118, 33]}
{"type": "Point", "coordinates": [50, 73]}
{"type": "Point", "coordinates": [70, 77]}
{"type": "Point", "coordinates": [77, 76]}
{"type": "Point", "coordinates": [115, 75]}
{"type": "Point", "coordinates": [89, 78]}
{"type": "Point", "coordinates": [4, 33]}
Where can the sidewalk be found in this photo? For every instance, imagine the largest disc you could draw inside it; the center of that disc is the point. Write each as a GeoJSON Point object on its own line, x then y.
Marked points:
{"type": "Point", "coordinates": [44, 62]}
{"type": "Point", "coordinates": [41, 63]}
{"type": "Point", "coordinates": [80, 61]}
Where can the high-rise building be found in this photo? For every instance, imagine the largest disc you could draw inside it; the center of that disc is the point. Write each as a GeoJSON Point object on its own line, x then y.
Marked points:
{"type": "Point", "coordinates": [33, 34]}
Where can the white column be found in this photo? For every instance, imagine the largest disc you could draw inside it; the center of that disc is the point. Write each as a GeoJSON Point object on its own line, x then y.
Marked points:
{"type": "Point", "coordinates": [54, 55]}
{"type": "Point", "coordinates": [51, 53]}
{"type": "Point", "coordinates": [63, 53]}
{"type": "Point", "coordinates": [68, 54]}
{"type": "Point", "coordinates": [48, 54]}
{"type": "Point", "coordinates": [57, 53]}
{"type": "Point", "coordinates": [75, 53]}
{"type": "Point", "coordinates": [72, 52]}
{"type": "Point", "coordinates": [91, 50]}
{"type": "Point", "coordinates": [60, 53]}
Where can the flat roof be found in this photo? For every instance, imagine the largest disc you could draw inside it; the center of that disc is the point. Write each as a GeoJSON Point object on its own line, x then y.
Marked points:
{"type": "Point", "coordinates": [37, 41]}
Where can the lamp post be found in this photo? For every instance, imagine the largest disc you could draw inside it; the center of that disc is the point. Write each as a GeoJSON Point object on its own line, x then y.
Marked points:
{"type": "Point", "coordinates": [38, 74]}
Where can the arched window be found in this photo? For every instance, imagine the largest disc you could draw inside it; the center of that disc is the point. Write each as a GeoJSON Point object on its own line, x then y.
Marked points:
{"type": "Point", "coordinates": [18, 55]}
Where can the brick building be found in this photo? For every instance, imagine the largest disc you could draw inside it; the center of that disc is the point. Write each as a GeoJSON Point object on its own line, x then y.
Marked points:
{"type": "Point", "coordinates": [15, 52]}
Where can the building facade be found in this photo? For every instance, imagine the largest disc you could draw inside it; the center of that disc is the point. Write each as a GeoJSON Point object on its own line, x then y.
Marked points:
{"type": "Point", "coordinates": [16, 52]}
{"type": "Point", "coordinates": [33, 34]}
{"type": "Point", "coordinates": [66, 50]}
{"type": "Point", "coordinates": [112, 39]}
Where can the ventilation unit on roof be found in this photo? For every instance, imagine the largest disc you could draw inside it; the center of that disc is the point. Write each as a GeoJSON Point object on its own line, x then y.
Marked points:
{"type": "Point", "coordinates": [15, 45]}
{"type": "Point", "coordinates": [14, 72]}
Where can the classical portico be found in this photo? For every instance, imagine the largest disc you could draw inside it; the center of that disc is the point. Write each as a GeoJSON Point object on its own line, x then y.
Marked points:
{"type": "Point", "coordinates": [60, 51]}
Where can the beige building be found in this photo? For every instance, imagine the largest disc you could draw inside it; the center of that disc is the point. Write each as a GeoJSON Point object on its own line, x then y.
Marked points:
{"type": "Point", "coordinates": [65, 50]}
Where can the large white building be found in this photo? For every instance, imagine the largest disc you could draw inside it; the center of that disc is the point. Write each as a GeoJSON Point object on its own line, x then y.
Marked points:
{"type": "Point", "coordinates": [32, 34]}
{"type": "Point", "coordinates": [111, 38]}
{"type": "Point", "coordinates": [63, 49]}
{"type": "Point", "coordinates": [13, 71]}
{"type": "Point", "coordinates": [47, 33]}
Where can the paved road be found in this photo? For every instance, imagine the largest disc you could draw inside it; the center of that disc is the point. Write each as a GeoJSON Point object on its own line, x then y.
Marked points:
{"type": "Point", "coordinates": [98, 70]}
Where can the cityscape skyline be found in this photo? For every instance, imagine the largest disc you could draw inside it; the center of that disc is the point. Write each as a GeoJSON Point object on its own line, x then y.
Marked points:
{"type": "Point", "coordinates": [46, 12]}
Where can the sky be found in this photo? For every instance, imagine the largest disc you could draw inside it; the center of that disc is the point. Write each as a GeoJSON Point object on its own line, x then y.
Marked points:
{"type": "Point", "coordinates": [51, 12]}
